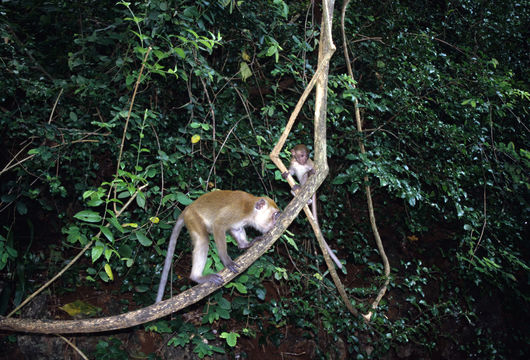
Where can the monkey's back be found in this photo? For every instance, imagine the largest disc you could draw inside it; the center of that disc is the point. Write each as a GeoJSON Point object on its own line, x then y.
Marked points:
{"type": "Point", "coordinates": [220, 207]}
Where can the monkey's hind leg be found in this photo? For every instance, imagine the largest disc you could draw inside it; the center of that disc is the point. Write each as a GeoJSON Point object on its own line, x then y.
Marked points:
{"type": "Point", "coordinates": [200, 255]}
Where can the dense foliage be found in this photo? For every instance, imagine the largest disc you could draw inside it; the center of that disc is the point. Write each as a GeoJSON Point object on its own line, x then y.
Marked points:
{"type": "Point", "coordinates": [444, 95]}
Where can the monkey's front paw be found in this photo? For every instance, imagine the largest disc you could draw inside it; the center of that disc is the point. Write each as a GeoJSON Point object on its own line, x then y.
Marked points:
{"type": "Point", "coordinates": [257, 238]}
{"type": "Point", "coordinates": [233, 267]}
{"type": "Point", "coordinates": [285, 174]}
{"type": "Point", "coordinates": [214, 279]}
{"type": "Point", "coordinates": [245, 246]}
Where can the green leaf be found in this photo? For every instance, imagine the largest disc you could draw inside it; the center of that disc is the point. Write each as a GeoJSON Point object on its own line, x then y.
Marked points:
{"type": "Point", "coordinates": [97, 251]}
{"type": "Point", "coordinates": [231, 338]}
{"type": "Point", "coordinates": [261, 293]}
{"type": "Point", "coordinates": [341, 179]}
{"type": "Point", "coordinates": [180, 52]}
{"type": "Point", "coordinates": [179, 340]}
{"type": "Point", "coordinates": [114, 222]}
{"type": "Point", "coordinates": [224, 304]}
{"type": "Point", "coordinates": [108, 253]}
{"type": "Point", "coordinates": [22, 209]}
{"type": "Point", "coordinates": [140, 199]}
{"type": "Point", "coordinates": [272, 50]}
{"type": "Point", "coordinates": [290, 241]}
{"type": "Point", "coordinates": [183, 199]}
{"type": "Point", "coordinates": [108, 270]}
{"type": "Point", "coordinates": [88, 216]}
{"type": "Point", "coordinates": [125, 251]}
{"type": "Point", "coordinates": [141, 288]}
{"type": "Point", "coordinates": [245, 71]}
{"type": "Point", "coordinates": [11, 252]}
{"type": "Point", "coordinates": [108, 234]}
{"type": "Point", "coordinates": [88, 193]}
{"type": "Point", "coordinates": [143, 239]}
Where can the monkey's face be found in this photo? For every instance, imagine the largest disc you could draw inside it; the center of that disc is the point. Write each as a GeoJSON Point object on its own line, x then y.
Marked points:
{"type": "Point", "coordinates": [301, 157]}
{"type": "Point", "coordinates": [266, 215]}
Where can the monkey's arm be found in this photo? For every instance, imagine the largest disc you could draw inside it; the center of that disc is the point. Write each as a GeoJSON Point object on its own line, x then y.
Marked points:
{"type": "Point", "coordinates": [219, 235]}
{"type": "Point", "coordinates": [289, 171]}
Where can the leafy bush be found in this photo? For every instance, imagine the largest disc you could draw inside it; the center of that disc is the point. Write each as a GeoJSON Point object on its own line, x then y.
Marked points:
{"type": "Point", "coordinates": [443, 92]}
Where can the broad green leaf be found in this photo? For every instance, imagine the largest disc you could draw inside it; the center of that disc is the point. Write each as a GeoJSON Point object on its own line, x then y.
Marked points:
{"type": "Point", "coordinates": [140, 199]}
{"type": "Point", "coordinates": [180, 52]}
{"type": "Point", "coordinates": [183, 199]}
{"type": "Point", "coordinates": [108, 234]}
{"type": "Point", "coordinates": [97, 251]}
{"type": "Point", "coordinates": [290, 241]}
{"type": "Point", "coordinates": [143, 239]}
{"type": "Point", "coordinates": [88, 216]}
{"type": "Point", "coordinates": [125, 251]}
{"type": "Point", "coordinates": [231, 338]}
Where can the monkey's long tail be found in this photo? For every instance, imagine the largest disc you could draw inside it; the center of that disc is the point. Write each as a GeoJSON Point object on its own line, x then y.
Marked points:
{"type": "Point", "coordinates": [333, 256]}
{"type": "Point", "coordinates": [169, 258]}
{"type": "Point", "coordinates": [331, 253]}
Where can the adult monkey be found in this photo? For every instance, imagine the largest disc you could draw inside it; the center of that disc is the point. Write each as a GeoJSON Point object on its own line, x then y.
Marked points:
{"type": "Point", "coordinates": [302, 167]}
{"type": "Point", "coordinates": [216, 213]}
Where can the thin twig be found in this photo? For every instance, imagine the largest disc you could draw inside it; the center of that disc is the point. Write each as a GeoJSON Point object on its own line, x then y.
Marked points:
{"type": "Point", "coordinates": [368, 190]}
{"type": "Point", "coordinates": [73, 346]}
{"type": "Point", "coordinates": [162, 184]}
{"type": "Point", "coordinates": [220, 149]}
{"type": "Point", "coordinates": [212, 112]}
{"type": "Point", "coordinates": [72, 262]}
{"type": "Point", "coordinates": [55, 105]}
{"type": "Point", "coordinates": [128, 117]}
{"type": "Point", "coordinates": [485, 216]}
{"type": "Point", "coordinates": [9, 167]}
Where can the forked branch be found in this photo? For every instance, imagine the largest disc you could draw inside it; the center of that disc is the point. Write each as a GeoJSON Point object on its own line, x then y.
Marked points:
{"type": "Point", "coordinates": [320, 81]}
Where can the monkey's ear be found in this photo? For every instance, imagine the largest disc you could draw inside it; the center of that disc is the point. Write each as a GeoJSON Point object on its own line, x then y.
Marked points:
{"type": "Point", "coordinates": [260, 204]}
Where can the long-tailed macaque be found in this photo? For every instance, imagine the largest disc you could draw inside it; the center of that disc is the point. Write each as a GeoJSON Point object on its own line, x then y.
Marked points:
{"type": "Point", "coordinates": [216, 213]}
{"type": "Point", "coordinates": [302, 167]}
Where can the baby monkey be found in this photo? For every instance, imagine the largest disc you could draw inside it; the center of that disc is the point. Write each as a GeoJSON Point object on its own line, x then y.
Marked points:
{"type": "Point", "coordinates": [302, 167]}
{"type": "Point", "coordinates": [216, 213]}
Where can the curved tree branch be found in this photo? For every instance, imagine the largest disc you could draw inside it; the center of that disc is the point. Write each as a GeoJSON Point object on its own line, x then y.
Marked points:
{"type": "Point", "coordinates": [163, 308]}
{"type": "Point", "coordinates": [368, 190]}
